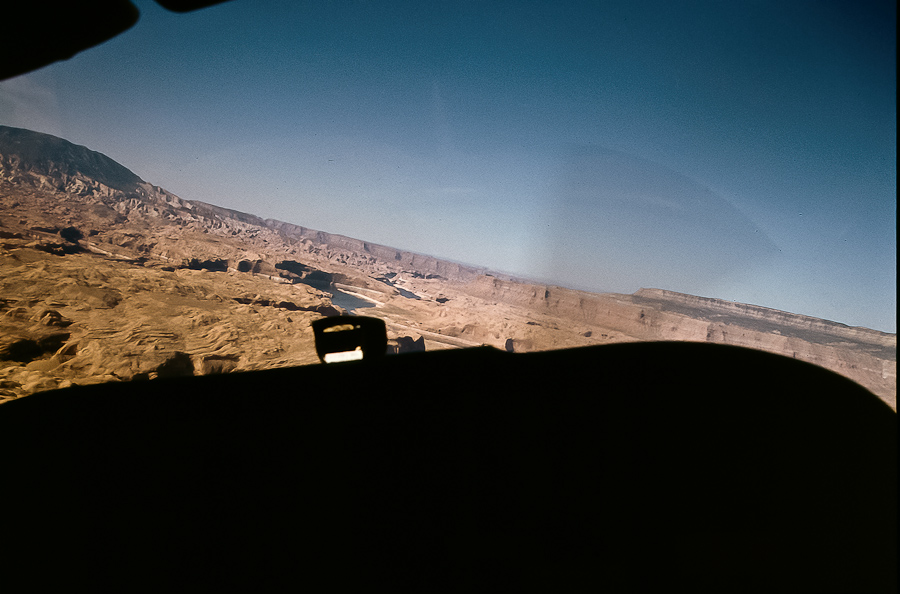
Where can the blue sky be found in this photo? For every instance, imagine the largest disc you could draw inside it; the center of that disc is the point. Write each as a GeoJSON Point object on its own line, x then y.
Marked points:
{"type": "Point", "coordinates": [739, 150]}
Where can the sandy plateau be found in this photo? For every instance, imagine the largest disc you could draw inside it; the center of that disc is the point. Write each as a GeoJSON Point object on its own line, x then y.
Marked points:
{"type": "Point", "coordinates": [104, 277]}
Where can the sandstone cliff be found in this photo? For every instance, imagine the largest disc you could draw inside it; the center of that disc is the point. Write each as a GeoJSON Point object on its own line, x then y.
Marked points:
{"type": "Point", "coordinates": [864, 355]}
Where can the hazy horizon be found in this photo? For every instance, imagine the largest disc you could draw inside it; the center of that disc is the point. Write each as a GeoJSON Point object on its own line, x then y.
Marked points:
{"type": "Point", "coordinates": [741, 152]}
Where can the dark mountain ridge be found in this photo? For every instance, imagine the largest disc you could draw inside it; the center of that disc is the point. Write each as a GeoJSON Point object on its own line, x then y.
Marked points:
{"type": "Point", "coordinates": [44, 154]}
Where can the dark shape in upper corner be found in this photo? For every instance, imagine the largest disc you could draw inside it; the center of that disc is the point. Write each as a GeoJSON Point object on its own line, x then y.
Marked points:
{"type": "Point", "coordinates": [40, 33]}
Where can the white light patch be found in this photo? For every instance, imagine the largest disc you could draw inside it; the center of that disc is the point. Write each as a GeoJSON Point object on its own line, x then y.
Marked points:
{"type": "Point", "coordinates": [344, 356]}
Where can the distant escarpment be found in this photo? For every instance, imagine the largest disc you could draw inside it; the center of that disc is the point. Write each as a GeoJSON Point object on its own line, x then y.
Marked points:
{"type": "Point", "coordinates": [867, 356]}
{"type": "Point", "coordinates": [721, 309]}
{"type": "Point", "coordinates": [422, 265]}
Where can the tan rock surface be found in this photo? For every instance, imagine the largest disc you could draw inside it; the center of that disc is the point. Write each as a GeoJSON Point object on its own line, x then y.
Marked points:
{"type": "Point", "coordinates": [131, 322]}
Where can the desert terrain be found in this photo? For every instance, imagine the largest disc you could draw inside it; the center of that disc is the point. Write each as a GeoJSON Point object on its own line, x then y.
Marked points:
{"type": "Point", "coordinates": [105, 277]}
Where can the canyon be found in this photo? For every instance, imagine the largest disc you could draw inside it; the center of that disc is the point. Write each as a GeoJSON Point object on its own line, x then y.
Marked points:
{"type": "Point", "coordinates": [105, 277]}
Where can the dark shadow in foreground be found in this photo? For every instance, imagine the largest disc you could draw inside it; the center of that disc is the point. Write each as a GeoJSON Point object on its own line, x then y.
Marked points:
{"type": "Point", "coordinates": [632, 467]}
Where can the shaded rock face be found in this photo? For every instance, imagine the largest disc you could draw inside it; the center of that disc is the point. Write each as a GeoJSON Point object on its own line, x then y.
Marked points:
{"type": "Point", "coordinates": [20, 349]}
{"type": "Point", "coordinates": [106, 277]}
{"type": "Point", "coordinates": [71, 234]}
{"type": "Point", "coordinates": [297, 268]}
{"type": "Point", "coordinates": [26, 336]}
{"type": "Point", "coordinates": [405, 344]}
{"type": "Point", "coordinates": [211, 265]}
{"type": "Point", "coordinates": [212, 364]}
{"type": "Point", "coordinates": [178, 364]}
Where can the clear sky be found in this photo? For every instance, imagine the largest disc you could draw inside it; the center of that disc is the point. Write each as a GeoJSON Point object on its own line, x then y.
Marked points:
{"type": "Point", "coordinates": [740, 150]}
